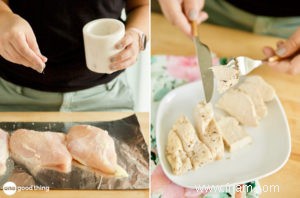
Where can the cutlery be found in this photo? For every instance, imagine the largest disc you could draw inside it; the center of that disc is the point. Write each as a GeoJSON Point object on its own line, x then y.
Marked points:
{"type": "Point", "coordinates": [204, 62]}
{"type": "Point", "coordinates": [245, 64]}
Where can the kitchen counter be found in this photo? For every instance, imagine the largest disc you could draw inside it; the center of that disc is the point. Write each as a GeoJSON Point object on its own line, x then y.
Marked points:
{"type": "Point", "coordinates": [225, 42]}
{"type": "Point", "coordinates": [78, 116]}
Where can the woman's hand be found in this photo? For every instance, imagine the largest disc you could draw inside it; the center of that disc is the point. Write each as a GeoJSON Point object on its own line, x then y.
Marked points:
{"type": "Point", "coordinates": [289, 52]}
{"type": "Point", "coordinates": [128, 56]}
{"type": "Point", "coordinates": [18, 43]}
{"type": "Point", "coordinates": [181, 12]}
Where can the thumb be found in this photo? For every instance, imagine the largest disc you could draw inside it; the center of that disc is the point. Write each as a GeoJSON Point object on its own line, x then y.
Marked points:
{"type": "Point", "coordinates": [290, 46]}
{"type": "Point", "coordinates": [192, 8]}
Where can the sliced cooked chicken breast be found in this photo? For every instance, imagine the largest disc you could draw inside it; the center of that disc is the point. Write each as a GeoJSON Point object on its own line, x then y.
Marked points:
{"type": "Point", "coordinates": [235, 137]}
{"type": "Point", "coordinates": [267, 91]}
{"type": "Point", "coordinates": [198, 152]}
{"type": "Point", "coordinates": [239, 105]}
{"type": "Point", "coordinates": [177, 157]}
{"type": "Point", "coordinates": [254, 93]}
{"type": "Point", "coordinates": [226, 77]}
{"type": "Point", "coordinates": [203, 114]}
{"type": "Point", "coordinates": [207, 129]}
{"type": "Point", "coordinates": [200, 155]}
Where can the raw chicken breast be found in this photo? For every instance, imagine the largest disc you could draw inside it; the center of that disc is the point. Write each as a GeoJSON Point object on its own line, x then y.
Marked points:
{"type": "Point", "coordinates": [4, 153]}
{"type": "Point", "coordinates": [40, 151]}
{"type": "Point", "coordinates": [239, 105]}
{"type": "Point", "coordinates": [93, 147]}
{"type": "Point", "coordinates": [267, 91]}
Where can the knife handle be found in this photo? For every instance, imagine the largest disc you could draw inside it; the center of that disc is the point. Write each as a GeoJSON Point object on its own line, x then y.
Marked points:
{"type": "Point", "coordinates": [194, 28]}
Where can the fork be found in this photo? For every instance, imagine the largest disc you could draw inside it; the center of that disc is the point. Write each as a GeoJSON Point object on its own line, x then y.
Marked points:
{"type": "Point", "coordinates": [245, 64]}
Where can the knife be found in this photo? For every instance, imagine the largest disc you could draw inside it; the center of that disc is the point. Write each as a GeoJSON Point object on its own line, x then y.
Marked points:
{"type": "Point", "coordinates": [204, 62]}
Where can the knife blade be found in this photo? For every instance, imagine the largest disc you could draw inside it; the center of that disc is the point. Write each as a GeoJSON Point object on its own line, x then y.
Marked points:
{"type": "Point", "coordinates": [204, 62]}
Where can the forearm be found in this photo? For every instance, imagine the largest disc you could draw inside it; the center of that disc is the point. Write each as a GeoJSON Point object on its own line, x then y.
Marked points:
{"type": "Point", "coordinates": [139, 17]}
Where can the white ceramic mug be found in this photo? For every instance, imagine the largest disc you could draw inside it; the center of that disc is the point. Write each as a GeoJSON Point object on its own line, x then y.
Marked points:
{"type": "Point", "coordinates": [100, 38]}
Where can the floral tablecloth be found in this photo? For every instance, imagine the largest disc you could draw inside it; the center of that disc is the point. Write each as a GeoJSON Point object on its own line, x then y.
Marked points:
{"type": "Point", "coordinates": [169, 72]}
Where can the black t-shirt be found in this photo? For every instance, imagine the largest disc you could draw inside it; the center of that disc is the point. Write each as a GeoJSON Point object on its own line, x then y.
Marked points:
{"type": "Point", "coordinates": [274, 8]}
{"type": "Point", "coordinates": [57, 25]}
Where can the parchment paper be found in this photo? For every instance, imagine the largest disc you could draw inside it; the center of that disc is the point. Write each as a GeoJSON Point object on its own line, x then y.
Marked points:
{"type": "Point", "coordinates": [130, 146]}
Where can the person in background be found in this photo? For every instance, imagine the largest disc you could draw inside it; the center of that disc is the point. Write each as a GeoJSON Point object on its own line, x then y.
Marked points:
{"type": "Point", "coordinates": [42, 61]}
{"type": "Point", "coordinates": [261, 17]}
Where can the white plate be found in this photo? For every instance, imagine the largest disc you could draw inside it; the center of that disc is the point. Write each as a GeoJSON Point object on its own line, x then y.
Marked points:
{"type": "Point", "coordinates": [268, 153]}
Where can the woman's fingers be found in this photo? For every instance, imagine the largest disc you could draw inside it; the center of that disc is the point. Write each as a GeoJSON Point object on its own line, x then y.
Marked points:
{"type": "Point", "coordinates": [123, 64]}
{"type": "Point", "coordinates": [268, 51]}
{"type": "Point", "coordinates": [23, 48]}
{"type": "Point", "coordinates": [11, 54]}
{"type": "Point", "coordinates": [129, 54]}
{"type": "Point", "coordinates": [32, 43]}
{"type": "Point", "coordinates": [281, 66]}
{"type": "Point", "coordinates": [125, 58]}
{"type": "Point", "coordinates": [18, 42]}
{"type": "Point", "coordinates": [174, 13]}
{"type": "Point", "coordinates": [192, 8]}
{"type": "Point", "coordinates": [290, 46]}
{"type": "Point", "coordinates": [182, 23]}
{"type": "Point", "coordinates": [181, 12]}
{"type": "Point", "coordinates": [295, 65]}
{"type": "Point", "coordinates": [123, 55]}
{"type": "Point", "coordinates": [125, 41]}
{"type": "Point", "coordinates": [289, 65]}
{"type": "Point", "coordinates": [203, 16]}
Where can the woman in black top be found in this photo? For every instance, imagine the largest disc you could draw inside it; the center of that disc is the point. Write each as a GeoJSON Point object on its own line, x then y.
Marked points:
{"type": "Point", "coordinates": [41, 42]}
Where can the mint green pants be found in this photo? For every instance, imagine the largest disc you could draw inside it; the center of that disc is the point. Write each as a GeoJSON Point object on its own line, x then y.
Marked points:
{"type": "Point", "coordinates": [223, 13]}
{"type": "Point", "coordinates": [113, 96]}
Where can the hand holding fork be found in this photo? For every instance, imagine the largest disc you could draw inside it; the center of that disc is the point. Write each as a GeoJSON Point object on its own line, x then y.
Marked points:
{"type": "Point", "coordinates": [289, 53]}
